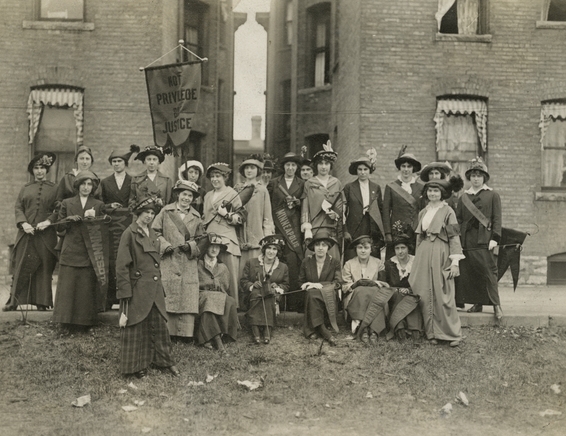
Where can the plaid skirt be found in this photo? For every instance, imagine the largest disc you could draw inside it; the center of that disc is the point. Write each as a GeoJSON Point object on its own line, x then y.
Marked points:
{"type": "Point", "coordinates": [145, 343]}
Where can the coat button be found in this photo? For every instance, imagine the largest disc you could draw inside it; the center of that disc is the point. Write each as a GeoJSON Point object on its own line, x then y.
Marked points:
{"type": "Point", "coordinates": [156, 265]}
{"type": "Point", "coordinates": [137, 273]}
{"type": "Point", "coordinates": [155, 278]}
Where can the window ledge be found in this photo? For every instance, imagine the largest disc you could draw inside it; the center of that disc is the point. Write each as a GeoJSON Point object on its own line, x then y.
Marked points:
{"type": "Point", "coordinates": [551, 25]}
{"type": "Point", "coordinates": [58, 25]}
{"type": "Point", "coordinates": [550, 196]}
{"type": "Point", "coordinates": [463, 38]}
{"type": "Point", "coordinates": [315, 89]}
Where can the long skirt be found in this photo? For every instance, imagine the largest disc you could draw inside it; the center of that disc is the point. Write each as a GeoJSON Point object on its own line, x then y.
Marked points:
{"type": "Point", "coordinates": [233, 264]}
{"type": "Point", "coordinates": [181, 324]}
{"type": "Point", "coordinates": [145, 343]}
{"type": "Point", "coordinates": [320, 308]}
{"type": "Point", "coordinates": [477, 283]}
{"type": "Point", "coordinates": [429, 280]}
{"type": "Point", "coordinates": [359, 302]}
{"type": "Point", "coordinates": [77, 299]}
{"type": "Point", "coordinates": [211, 325]}
{"type": "Point", "coordinates": [261, 310]}
{"type": "Point", "coordinates": [292, 302]}
{"type": "Point", "coordinates": [413, 320]}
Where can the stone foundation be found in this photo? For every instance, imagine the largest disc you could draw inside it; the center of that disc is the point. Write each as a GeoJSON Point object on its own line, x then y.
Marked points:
{"type": "Point", "coordinates": [533, 271]}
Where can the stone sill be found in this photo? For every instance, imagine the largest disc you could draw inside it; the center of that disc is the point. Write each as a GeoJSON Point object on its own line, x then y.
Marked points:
{"type": "Point", "coordinates": [550, 196]}
{"type": "Point", "coordinates": [485, 39]}
{"type": "Point", "coordinates": [59, 25]}
{"type": "Point", "coordinates": [551, 25]}
{"type": "Point", "coordinates": [315, 89]}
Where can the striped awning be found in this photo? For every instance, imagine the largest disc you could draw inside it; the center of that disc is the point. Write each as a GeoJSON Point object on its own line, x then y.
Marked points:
{"type": "Point", "coordinates": [549, 112]}
{"type": "Point", "coordinates": [58, 97]}
{"type": "Point", "coordinates": [476, 108]}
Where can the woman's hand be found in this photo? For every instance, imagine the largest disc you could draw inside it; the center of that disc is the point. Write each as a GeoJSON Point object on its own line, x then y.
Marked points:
{"type": "Point", "coordinates": [257, 285]}
{"type": "Point", "coordinates": [222, 211]}
{"type": "Point", "coordinates": [382, 284]}
{"type": "Point", "coordinates": [28, 228]}
{"type": "Point", "coordinates": [454, 271]}
{"type": "Point", "coordinates": [168, 250]}
{"type": "Point", "coordinates": [75, 218]}
{"type": "Point", "coordinates": [43, 225]}
{"type": "Point", "coordinates": [186, 248]}
{"type": "Point", "coordinates": [332, 215]}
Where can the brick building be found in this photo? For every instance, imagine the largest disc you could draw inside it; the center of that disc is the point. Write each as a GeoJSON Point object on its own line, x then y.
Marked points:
{"type": "Point", "coordinates": [451, 79]}
{"type": "Point", "coordinates": [70, 76]}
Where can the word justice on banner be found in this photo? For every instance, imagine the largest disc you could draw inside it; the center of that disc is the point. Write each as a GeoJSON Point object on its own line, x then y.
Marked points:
{"type": "Point", "coordinates": [174, 92]}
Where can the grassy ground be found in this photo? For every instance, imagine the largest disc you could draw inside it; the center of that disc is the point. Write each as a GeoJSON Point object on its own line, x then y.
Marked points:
{"type": "Point", "coordinates": [394, 389]}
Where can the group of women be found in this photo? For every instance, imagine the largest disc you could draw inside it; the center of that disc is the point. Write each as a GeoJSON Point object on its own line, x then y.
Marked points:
{"type": "Point", "coordinates": [300, 241]}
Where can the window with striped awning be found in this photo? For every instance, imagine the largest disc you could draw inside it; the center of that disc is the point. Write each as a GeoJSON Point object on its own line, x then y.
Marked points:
{"type": "Point", "coordinates": [553, 144]}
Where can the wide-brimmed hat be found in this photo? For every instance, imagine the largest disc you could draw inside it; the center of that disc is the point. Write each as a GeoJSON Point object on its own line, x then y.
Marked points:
{"type": "Point", "coordinates": [356, 241]}
{"type": "Point", "coordinates": [214, 239]}
{"type": "Point", "coordinates": [402, 238]}
{"type": "Point", "coordinates": [85, 175]}
{"type": "Point", "coordinates": [84, 149]}
{"type": "Point", "coordinates": [446, 186]}
{"type": "Point", "coordinates": [443, 167]}
{"type": "Point", "coordinates": [45, 159]}
{"type": "Point", "coordinates": [268, 165]}
{"type": "Point", "coordinates": [327, 153]}
{"type": "Point", "coordinates": [218, 166]}
{"type": "Point", "coordinates": [117, 155]}
{"type": "Point", "coordinates": [186, 185]}
{"type": "Point", "coordinates": [291, 157]}
{"type": "Point", "coordinates": [251, 160]}
{"type": "Point", "coordinates": [151, 150]}
{"type": "Point", "coordinates": [477, 164]}
{"type": "Point", "coordinates": [407, 157]}
{"type": "Point", "coordinates": [363, 160]}
{"type": "Point", "coordinates": [321, 234]}
{"type": "Point", "coordinates": [188, 164]}
{"type": "Point", "coordinates": [276, 240]}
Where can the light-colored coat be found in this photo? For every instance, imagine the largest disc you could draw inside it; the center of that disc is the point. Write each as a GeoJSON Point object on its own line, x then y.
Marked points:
{"type": "Point", "coordinates": [179, 270]}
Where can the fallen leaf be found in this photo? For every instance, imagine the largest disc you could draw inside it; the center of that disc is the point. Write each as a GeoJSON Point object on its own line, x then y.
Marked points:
{"type": "Point", "coordinates": [462, 398]}
{"type": "Point", "coordinates": [505, 384]}
{"type": "Point", "coordinates": [209, 377]}
{"type": "Point", "coordinates": [194, 383]}
{"type": "Point", "coordinates": [146, 429]}
{"type": "Point", "coordinates": [139, 403]}
{"type": "Point", "coordinates": [327, 405]}
{"type": "Point", "coordinates": [163, 394]}
{"type": "Point", "coordinates": [122, 391]}
{"type": "Point", "coordinates": [81, 401]}
{"type": "Point", "coordinates": [132, 385]}
{"type": "Point", "coordinates": [39, 335]}
{"type": "Point", "coordinates": [129, 408]}
{"type": "Point", "coordinates": [446, 409]}
{"type": "Point", "coordinates": [369, 395]}
{"type": "Point", "coordinates": [550, 412]}
{"type": "Point", "coordinates": [186, 419]}
{"type": "Point", "coordinates": [251, 385]}
{"type": "Point", "coordinates": [555, 388]}
{"type": "Point", "coordinates": [298, 415]}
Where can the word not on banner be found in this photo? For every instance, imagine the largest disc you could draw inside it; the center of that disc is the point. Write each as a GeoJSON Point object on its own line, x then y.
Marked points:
{"type": "Point", "coordinates": [174, 92]}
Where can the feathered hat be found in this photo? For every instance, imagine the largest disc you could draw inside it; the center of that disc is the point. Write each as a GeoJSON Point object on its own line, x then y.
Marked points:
{"type": "Point", "coordinates": [327, 153]}
{"type": "Point", "coordinates": [45, 159]}
{"type": "Point", "coordinates": [153, 150]}
{"type": "Point", "coordinates": [304, 153]}
{"type": "Point", "coordinates": [446, 186]}
{"type": "Point", "coordinates": [369, 160]}
{"type": "Point", "coordinates": [125, 156]}
{"type": "Point", "coordinates": [478, 164]}
{"type": "Point", "coordinates": [186, 185]}
{"type": "Point", "coordinates": [408, 158]}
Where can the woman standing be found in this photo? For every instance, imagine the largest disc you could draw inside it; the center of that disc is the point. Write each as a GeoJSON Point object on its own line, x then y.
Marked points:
{"type": "Point", "coordinates": [363, 277]}
{"type": "Point", "coordinates": [479, 214]}
{"type": "Point", "coordinates": [405, 317]}
{"type": "Point", "coordinates": [35, 211]}
{"type": "Point", "coordinates": [78, 299]}
{"type": "Point", "coordinates": [66, 187]}
{"type": "Point", "coordinates": [436, 263]}
{"type": "Point", "coordinates": [222, 216]}
{"type": "Point", "coordinates": [259, 222]}
{"type": "Point", "coordinates": [192, 171]}
{"type": "Point", "coordinates": [264, 279]}
{"type": "Point", "coordinates": [144, 336]}
{"type": "Point", "coordinates": [321, 277]}
{"type": "Point", "coordinates": [364, 206]}
{"type": "Point", "coordinates": [176, 227]}
{"type": "Point", "coordinates": [151, 181]}
{"type": "Point", "coordinates": [401, 199]}
{"type": "Point", "coordinates": [323, 201]}
{"type": "Point", "coordinates": [437, 170]}
{"type": "Point", "coordinates": [218, 316]}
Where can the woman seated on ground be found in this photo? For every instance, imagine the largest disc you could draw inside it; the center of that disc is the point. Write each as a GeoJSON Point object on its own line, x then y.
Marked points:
{"type": "Point", "coordinates": [363, 301]}
{"type": "Point", "coordinates": [405, 316]}
{"type": "Point", "coordinates": [218, 317]}
{"type": "Point", "coordinates": [321, 277]}
{"type": "Point", "coordinates": [263, 280]}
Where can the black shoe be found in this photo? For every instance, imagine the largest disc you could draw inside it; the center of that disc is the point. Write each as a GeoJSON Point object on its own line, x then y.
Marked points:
{"type": "Point", "coordinates": [475, 308]}
{"type": "Point", "coordinates": [141, 374]}
{"type": "Point", "coordinates": [9, 308]}
{"type": "Point", "coordinates": [174, 371]}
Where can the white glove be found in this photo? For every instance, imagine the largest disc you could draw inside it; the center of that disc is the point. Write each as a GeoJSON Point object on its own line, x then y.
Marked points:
{"type": "Point", "coordinates": [90, 213]}
{"type": "Point", "coordinates": [123, 320]}
{"type": "Point", "coordinates": [309, 285]}
{"type": "Point", "coordinates": [222, 211]}
{"type": "Point", "coordinates": [28, 228]}
{"type": "Point", "coordinates": [308, 234]}
{"type": "Point", "coordinates": [492, 244]}
{"type": "Point", "coordinates": [43, 225]}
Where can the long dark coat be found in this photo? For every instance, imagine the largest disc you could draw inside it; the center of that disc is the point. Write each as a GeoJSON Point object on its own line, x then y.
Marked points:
{"type": "Point", "coordinates": [108, 190]}
{"type": "Point", "coordinates": [357, 223]}
{"type": "Point", "coordinates": [138, 274]}
{"type": "Point", "coordinates": [35, 203]}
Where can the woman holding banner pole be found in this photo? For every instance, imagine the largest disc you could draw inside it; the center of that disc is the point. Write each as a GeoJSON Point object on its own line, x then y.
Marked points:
{"type": "Point", "coordinates": [78, 299]}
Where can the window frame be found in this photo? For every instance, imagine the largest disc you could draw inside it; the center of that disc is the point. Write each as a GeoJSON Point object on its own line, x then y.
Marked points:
{"type": "Point", "coordinates": [544, 129]}
{"type": "Point", "coordinates": [320, 13]}
{"type": "Point", "coordinates": [482, 35]}
{"type": "Point", "coordinates": [38, 16]}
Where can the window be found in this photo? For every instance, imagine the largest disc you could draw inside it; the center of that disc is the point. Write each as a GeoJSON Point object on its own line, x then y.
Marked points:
{"type": "Point", "coordinates": [314, 142]}
{"type": "Point", "coordinates": [463, 17]}
{"type": "Point", "coordinates": [56, 124]}
{"type": "Point", "coordinates": [556, 272]}
{"type": "Point", "coordinates": [553, 142]}
{"type": "Point", "coordinates": [554, 10]}
{"type": "Point", "coordinates": [320, 42]}
{"type": "Point", "coordinates": [289, 22]}
{"type": "Point", "coordinates": [72, 10]}
{"type": "Point", "coordinates": [195, 28]}
{"type": "Point", "coordinates": [461, 131]}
